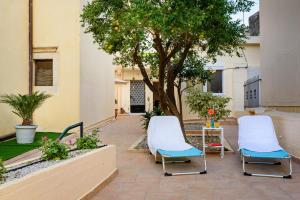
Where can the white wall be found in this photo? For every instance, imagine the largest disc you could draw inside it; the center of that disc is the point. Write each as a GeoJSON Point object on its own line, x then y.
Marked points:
{"type": "Point", "coordinates": [96, 82]}
{"type": "Point", "coordinates": [280, 57]}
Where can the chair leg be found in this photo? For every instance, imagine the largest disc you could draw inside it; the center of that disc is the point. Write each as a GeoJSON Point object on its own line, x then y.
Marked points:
{"type": "Point", "coordinates": [182, 173]}
{"type": "Point", "coordinates": [266, 175]}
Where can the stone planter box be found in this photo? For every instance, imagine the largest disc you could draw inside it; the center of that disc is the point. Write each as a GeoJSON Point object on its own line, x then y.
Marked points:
{"type": "Point", "coordinates": [76, 178]}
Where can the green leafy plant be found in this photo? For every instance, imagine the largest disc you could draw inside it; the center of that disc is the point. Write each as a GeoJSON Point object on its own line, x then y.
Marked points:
{"type": "Point", "coordinates": [200, 102]}
{"type": "Point", "coordinates": [53, 149]}
{"type": "Point", "coordinates": [88, 141]}
{"type": "Point", "coordinates": [25, 105]}
{"type": "Point", "coordinates": [155, 112]}
{"type": "Point", "coordinates": [2, 170]}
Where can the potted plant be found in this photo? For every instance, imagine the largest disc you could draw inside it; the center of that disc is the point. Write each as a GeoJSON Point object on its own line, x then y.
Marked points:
{"type": "Point", "coordinates": [208, 106]}
{"type": "Point", "coordinates": [24, 107]}
{"type": "Point", "coordinates": [221, 112]}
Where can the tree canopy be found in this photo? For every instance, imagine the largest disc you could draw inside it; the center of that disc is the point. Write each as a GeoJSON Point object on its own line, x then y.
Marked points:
{"type": "Point", "coordinates": [173, 38]}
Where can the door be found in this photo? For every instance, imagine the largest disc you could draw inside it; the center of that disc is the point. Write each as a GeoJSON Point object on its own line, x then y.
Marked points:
{"type": "Point", "coordinates": [137, 96]}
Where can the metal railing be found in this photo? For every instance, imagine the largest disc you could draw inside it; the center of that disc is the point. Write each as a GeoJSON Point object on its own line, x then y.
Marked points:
{"type": "Point", "coordinates": [80, 124]}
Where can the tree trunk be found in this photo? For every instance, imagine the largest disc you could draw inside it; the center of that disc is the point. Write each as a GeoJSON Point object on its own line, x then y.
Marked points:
{"type": "Point", "coordinates": [170, 108]}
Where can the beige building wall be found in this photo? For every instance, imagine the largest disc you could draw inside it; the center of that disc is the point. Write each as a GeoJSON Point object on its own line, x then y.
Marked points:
{"type": "Point", "coordinates": [235, 73]}
{"type": "Point", "coordinates": [96, 81]}
{"type": "Point", "coordinates": [57, 24]}
{"type": "Point", "coordinates": [280, 47]}
{"type": "Point", "coordinates": [13, 57]}
{"type": "Point", "coordinates": [83, 87]}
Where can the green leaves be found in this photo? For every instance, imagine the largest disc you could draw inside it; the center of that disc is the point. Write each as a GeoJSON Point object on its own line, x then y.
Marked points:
{"type": "Point", "coordinates": [155, 112]}
{"type": "Point", "coordinates": [200, 102]}
{"type": "Point", "coordinates": [25, 105]}
{"type": "Point", "coordinates": [2, 170]}
{"type": "Point", "coordinates": [118, 25]}
{"type": "Point", "coordinates": [54, 150]}
{"type": "Point", "coordinates": [88, 141]}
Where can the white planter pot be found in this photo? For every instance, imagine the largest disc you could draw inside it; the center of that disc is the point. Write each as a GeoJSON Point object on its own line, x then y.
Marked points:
{"type": "Point", "coordinates": [25, 134]}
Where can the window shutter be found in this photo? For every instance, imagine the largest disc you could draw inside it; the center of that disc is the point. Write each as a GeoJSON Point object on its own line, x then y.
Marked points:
{"type": "Point", "coordinates": [43, 72]}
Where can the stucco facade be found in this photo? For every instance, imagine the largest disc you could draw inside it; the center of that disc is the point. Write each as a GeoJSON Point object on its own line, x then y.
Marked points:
{"type": "Point", "coordinates": [236, 70]}
{"type": "Point", "coordinates": [13, 56]}
{"type": "Point", "coordinates": [82, 75]}
{"type": "Point", "coordinates": [280, 58]}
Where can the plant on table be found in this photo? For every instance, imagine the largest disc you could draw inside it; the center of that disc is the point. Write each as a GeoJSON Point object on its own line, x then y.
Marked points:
{"type": "Point", "coordinates": [207, 105]}
{"type": "Point", "coordinates": [53, 149]}
{"type": "Point", "coordinates": [88, 141]}
{"type": "Point", "coordinates": [2, 170]}
{"type": "Point", "coordinates": [24, 107]}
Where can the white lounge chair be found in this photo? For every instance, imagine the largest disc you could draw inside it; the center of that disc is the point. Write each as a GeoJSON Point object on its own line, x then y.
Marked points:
{"type": "Point", "coordinates": [257, 139]}
{"type": "Point", "coordinates": [165, 138]}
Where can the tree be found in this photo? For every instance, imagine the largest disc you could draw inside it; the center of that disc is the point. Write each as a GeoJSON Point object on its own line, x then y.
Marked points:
{"type": "Point", "coordinates": [167, 36]}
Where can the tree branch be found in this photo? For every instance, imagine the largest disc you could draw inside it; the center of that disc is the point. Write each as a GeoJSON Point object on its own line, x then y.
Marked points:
{"type": "Point", "coordinates": [137, 59]}
{"type": "Point", "coordinates": [183, 56]}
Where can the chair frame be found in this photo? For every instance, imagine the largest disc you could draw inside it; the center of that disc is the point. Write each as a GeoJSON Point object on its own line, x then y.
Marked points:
{"type": "Point", "coordinates": [166, 173]}
{"type": "Point", "coordinates": [289, 158]}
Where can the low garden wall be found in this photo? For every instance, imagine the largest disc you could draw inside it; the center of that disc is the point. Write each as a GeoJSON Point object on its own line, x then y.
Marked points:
{"type": "Point", "coordinates": [76, 178]}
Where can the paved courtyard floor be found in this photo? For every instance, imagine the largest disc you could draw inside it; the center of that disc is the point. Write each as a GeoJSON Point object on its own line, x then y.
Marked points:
{"type": "Point", "coordinates": [141, 179]}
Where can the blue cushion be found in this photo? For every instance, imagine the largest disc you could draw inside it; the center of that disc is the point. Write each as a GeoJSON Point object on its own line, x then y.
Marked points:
{"type": "Point", "coordinates": [192, 152]}
{"type": "Point", "coordinates": [281, 154]}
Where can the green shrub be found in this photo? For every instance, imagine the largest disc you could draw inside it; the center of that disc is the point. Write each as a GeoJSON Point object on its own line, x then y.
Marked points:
{"type": "Point", "coordinates": [54, 150]}
{"type": "Point", "coordinates": [200, 102]}
{"type": "Point", "coordinates": [2, 170]}
{"type": "Point", "coordinates": [88, 141]}
{"type": "Point", "coordinates": [155, 112]}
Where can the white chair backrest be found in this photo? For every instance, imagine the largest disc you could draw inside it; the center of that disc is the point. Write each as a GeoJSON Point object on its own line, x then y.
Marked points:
{"type": "Point", "coordinates": [164, 132]}
{"type": "Point", "coordinates": [257, 133]}
{"type": "Point", "coordinates": [164, 128]}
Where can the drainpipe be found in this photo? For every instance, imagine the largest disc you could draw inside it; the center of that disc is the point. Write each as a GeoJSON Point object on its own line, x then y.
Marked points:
{"type": "Point", "coordinates": [30, 46]}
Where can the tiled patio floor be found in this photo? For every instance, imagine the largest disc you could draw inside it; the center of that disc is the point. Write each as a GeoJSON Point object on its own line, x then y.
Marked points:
{"type": "Point", "coordinates": [141, 179]}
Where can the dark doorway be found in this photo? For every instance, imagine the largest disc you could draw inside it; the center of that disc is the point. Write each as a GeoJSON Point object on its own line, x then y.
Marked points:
{"type": "Point", "coordinates": [137, 96]}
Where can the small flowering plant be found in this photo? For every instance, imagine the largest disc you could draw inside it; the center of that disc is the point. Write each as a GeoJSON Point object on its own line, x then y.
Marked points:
{"type": "Point", "coordinates": [211, 112]}
{"type": "Point", "coordinates": [53, 149]}
{"type": "Point", "coordinates": [89, 141]}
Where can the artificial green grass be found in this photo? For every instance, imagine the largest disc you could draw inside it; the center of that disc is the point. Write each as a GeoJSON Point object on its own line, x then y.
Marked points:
{"type": "Point", "coordinates": [10, 148]}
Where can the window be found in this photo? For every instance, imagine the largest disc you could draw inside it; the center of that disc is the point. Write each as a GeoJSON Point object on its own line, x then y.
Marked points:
{"type": "Point", "coordinates": [44, 72]}
{"type": "Point", "coordinates": [216, 84]}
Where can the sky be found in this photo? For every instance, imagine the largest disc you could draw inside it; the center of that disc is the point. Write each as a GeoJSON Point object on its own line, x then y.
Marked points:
{"type": "Point", "coordinates": [254, 9]}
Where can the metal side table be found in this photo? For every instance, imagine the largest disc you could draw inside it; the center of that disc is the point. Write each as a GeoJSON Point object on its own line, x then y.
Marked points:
{"type": "Point", "coordinates": [221, 130]}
